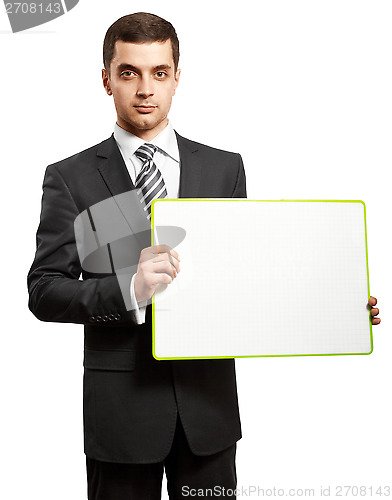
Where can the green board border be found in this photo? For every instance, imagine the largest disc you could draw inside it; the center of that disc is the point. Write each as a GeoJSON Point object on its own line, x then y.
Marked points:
{"type": "Point", "coordinates": [162, 200]}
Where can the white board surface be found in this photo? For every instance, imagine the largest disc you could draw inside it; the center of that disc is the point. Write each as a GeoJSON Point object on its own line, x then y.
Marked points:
{"type": "Point", "coordinates": [263, 278]}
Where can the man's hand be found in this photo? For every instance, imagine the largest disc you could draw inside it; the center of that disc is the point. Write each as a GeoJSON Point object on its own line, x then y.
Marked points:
{"type": "Point", "coordinates": [157, 264]}
{"type": "Point", "coordinates": [374, 311]}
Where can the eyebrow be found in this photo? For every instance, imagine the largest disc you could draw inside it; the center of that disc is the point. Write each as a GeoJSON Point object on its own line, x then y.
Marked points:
{"type": "Point", "coordinates": [125, 66]}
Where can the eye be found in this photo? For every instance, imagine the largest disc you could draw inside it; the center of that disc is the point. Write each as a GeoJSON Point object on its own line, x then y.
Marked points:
{"type": "Point", "coordinates": [127, 74]}
{"type": "Point", "coordinates": [161, 74]}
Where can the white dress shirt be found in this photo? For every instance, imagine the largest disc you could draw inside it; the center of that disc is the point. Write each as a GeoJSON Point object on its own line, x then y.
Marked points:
{"type": "Point", "coordinates": [167, 159]}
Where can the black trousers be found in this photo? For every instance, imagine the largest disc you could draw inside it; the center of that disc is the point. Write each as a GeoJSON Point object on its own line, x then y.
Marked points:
{"type": "Point", "coordinates": [186, 474]}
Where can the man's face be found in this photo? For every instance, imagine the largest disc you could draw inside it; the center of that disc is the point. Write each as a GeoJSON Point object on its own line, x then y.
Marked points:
{"type": "Point", "coordinates": [143, 82]}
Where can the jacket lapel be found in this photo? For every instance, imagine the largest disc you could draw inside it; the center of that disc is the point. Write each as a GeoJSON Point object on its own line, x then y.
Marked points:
{"type": "Point", "coordinates": [112, 167]}
{"type": "Point", "coordinates": [190, 169]}
{"type": "Point", "coordinates": [129, 227]}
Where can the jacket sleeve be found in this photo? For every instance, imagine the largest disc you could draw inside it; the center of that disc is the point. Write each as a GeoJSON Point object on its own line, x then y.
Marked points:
{"type": "Point", "coordinates": [55, 291]}
{"type": "Point", "coordinates": [240, 186]}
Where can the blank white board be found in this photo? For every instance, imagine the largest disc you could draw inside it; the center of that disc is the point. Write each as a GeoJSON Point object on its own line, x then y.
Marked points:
{"type": "Point", "coordinates": [262, 278]}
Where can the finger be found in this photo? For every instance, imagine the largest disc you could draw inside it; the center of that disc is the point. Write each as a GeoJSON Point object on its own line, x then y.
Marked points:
{"type": "Point", "coordinates": [376, 321]}
{"type": "Point", "coordinates": [162, 278]}
{"type": "Point", "coordinates": [174, 266]}
{"type": "Point", "coordinates": [374, 311]}
{"type": "Point", "coordinates": [372, 301]}
{"type": "Point", "coordinates": [162, 249]}
{"type": "Point", "coordinates": [164, 257]}
{"type": "Point", "coordinates": [174, 260]}
{"type": "Point", "coordinates": [165, 248]}
{"type": "Point", "coordinates": [164, 266]}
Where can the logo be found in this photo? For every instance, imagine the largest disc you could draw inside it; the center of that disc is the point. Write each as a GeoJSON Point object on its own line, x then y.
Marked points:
{"type": "Point", "coordinates": [111, 234]}
{"type": "Point", "coordinates": [26, 15]}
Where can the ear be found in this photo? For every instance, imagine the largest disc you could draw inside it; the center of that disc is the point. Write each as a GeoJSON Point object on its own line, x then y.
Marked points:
{"type": "Point", "coordinates": [106, 81]}
{"type": "Point", "coordinates": [176, 80]}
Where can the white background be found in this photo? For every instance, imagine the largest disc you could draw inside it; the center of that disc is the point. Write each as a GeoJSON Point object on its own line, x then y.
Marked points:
{"type": "Point", "coordinates": [302, 89]}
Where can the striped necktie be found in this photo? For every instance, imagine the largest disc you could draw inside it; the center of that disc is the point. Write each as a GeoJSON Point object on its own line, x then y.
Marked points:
{"type": "Point", "coordinates": [149, 183]}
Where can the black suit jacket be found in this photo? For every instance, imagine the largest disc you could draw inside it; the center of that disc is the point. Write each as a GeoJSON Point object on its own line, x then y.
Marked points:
{"type": "Point", "coordinates": [131, 400]}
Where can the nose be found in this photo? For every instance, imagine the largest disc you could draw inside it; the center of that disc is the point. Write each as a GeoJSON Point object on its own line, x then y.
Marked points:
{"type": "Point", "coordinates": [145, 88]}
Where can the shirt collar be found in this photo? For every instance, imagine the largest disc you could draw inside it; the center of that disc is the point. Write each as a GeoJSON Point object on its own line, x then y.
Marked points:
{"type": "Point", "coordinates": [166, 141]}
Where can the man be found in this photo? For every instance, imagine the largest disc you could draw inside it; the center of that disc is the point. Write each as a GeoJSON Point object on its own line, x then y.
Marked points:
{"type": "Point", "coordinates": [141, 416]}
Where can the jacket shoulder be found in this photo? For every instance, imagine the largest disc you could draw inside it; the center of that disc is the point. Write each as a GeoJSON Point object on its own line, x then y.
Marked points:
{"type": "Point", "coordinates": [84, 158]}
{"type": "Point", "coordinates": [204, 148]}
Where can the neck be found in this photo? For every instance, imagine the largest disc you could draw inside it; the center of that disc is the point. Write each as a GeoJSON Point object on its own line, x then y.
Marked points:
{"type": "Point", "coordinates": [146, 135]}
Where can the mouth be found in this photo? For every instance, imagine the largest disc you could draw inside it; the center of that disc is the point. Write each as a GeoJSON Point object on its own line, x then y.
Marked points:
{"type": "Point", "coordinates": [145, 108]}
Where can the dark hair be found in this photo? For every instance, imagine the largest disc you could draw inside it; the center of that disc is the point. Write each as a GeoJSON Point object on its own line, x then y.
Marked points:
{"type": "Point", "coordinates": [140, 27]}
